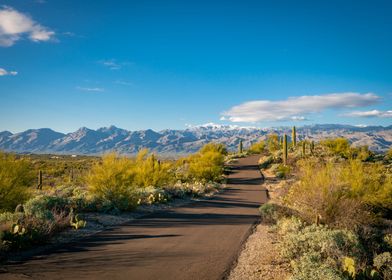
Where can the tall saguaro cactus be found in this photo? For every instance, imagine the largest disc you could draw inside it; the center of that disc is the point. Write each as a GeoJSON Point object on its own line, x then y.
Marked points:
{"type": "Point", "coordinates": [39, 186]}
{"type": "Point", "coordinates": [240, 147]}
{"type": "Point", "coordinates": [71, 175]}
{"type": "Point", "coordinates": [294, 137]}
{"type": "Point", "coordinates": [285, 149]}
{"type": "Point", "coordinates": [311, 147]}
{"type": "Point", "coordinates": [303, 148]}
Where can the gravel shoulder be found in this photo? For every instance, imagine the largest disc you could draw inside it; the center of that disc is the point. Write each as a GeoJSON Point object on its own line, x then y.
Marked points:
{"type": "Point", "coordinates": [259, 258]}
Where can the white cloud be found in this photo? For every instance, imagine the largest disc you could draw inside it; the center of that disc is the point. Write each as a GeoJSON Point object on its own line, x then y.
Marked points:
{"type": "Point", "coordinates": [4, 72]}
{"type": "Point", "coordinates": [370, 114]}
{"type": "Point", "coordinates": [294, 108]}
{"type": "Point", "coordinates": [123, 83]}
{"type": "Point", "coordinates": [95, 89]}
{"type": "Point", "coordinates": [14, 25]}
{"type": "Point", "coordinates": [111, 64]}
{"type": "Point", "coordinates": [298, 118]}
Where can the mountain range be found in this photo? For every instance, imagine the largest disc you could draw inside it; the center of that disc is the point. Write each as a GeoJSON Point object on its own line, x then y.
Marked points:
{"type": "Point", "coordinates": [171, 141]}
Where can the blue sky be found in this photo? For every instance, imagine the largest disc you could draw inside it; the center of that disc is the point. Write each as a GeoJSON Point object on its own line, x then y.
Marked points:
{"type": "Point", "coordinates": [165, 64]}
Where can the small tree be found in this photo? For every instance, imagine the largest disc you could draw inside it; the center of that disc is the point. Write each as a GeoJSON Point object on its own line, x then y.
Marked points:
{"type": "Point", "coordinates": [15, 178]}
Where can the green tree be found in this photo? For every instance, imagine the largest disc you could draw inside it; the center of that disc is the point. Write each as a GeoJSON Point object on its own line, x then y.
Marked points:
{"type": "Point", "coordinates": [15, 179]}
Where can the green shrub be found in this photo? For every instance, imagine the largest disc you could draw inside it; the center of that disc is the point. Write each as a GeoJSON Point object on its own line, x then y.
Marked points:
{"type": "Point", "coordinates": [311, 267]}
{"type": "Point", "coordinates": [43, 206]}
{"type": "Point", "coordinates": [271, 212]}
{"type": "Point", "coordinates": [338, 146]}
{"type": "Point", "coordinates": [15, 178]}
{"type": "Point", "coordinates": [383, 264]}
{"type": "Point", "coordinates": [290, 225]}
{"type": "Point", "coordinates": [208, 164]}
{"type": "Point", "coordinates": [257, 148]}
{"type": "Point", "coordinates": [265, 162]}
{"type": "Point", "coordinates": [324, 190]}
{"type": "Point", "coordinates": [214, 147]}
{"type": "Point", "coordinates": [273, 142]}
{"type": "Point", "coordinates": [152, 195]}
{"type": "Point", "coordinates": [151, 172]}
{"type": "Point", "coordinates": [316, 251]}
{"type": "Point", "coordinates": [331, 244]}
{"type": "Point", "coordinates": [282, 171]}
{"type": "Point", "coordinates": [112, 182]}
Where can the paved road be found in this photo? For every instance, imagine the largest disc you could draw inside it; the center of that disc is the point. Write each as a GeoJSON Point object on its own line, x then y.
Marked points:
{"type": "Point", "coordinates": [200, 240]}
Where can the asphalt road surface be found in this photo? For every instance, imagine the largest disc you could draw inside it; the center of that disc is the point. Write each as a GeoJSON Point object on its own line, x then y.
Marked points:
{"type": "Point", "coordinates": [200, 240]}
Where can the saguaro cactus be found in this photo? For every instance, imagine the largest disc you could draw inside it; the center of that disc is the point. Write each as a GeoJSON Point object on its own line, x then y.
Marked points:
{"type": "Point", "coordinates": [285, 149]}
{"type": "Point", "coordinates": [39, 186]}
{"type": "Point", "coordinates": [294, 137]}
{"type": "Point", "coordinates": [71, 175]}
{"type": "Point", "coordinates": [240, 147]}
{"type": "Point", "coordinates": [311, 147]}
{"type": "Point", "coordinates": [303, 148]}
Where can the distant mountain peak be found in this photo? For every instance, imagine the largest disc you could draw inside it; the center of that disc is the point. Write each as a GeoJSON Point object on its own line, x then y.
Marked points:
{"type": "Point", "coordinates": [215, 126]}
{"type": "Point", "coordinates": [170, 141]}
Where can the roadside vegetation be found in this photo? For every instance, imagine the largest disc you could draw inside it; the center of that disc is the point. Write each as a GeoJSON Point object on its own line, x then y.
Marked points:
{"type": "Point", "coordinates": [333, 218]}
{"type": "Point", "coordinates": [33, 210]}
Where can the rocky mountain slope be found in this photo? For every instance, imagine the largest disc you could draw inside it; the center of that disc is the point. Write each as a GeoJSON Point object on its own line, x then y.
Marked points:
{"type": "Point", "coordinates": [102, 140]}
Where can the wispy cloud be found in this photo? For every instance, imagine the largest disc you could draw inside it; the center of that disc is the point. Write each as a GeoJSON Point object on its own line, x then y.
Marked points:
{"type": "Point", "coordinates": [15, 25]}
{"type": "Point", "coordinates": [4, 72]}
{"type": "Point", "coordinates": [370, 114]}
{"type": "Point", "coordinates": [91, 89]}
{"type": "Point", "coordinates": [113, 64]}
{"type": "Point", "coordinates": [294, 108]}
{"type": "Point", "coordinates": [123, 83]}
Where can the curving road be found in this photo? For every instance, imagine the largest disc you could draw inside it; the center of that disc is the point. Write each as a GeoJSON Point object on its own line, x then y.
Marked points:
{"type": "Point", "coordinates": [200, 240]}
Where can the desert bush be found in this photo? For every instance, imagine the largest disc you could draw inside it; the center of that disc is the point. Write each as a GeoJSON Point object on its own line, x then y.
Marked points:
{"type": "Point", "coordinates": [265, 162]}
{"type": "Point", "coordinates": [383, 263]}
{"type": "Point", "coordinates": [112, 182]}
{"type": "Point", "coordinates": [362, 153]}
{"type": "Point", "coordinates": [290, 225]}
{"type": "Point", "coordinates": [151, 195]}
{"type": "Point", "coordinates": [15, 180]}
{"type": "Point", "coordinates": [338, 146]}
{"type": "Point", "coordinates": [273, 142]}
{"type": "Point", "coordinates": [370, 183]}
{"type": "Point", "coordinates": [316, 251]}
{"type": "Point", "coordinates": [207, 165]}
{"type": "Point", "coordinates": [214, 147]}
{"type": "Point", "coordinates": [29, 230]}
{"type": "Point", "coordinates": [257, 148]}
{"type": "Point", "coordinates": [44, 207]}
{"type": "Point", "coordinates": [323, 190]}
{"type": "Point", "coordinates": [388, 153]}
{"type": "Point", "coordinates": [271, 213]}
{"type": "Point", "coordinates": [282, 171]}
{"type": "Point", "coordinates": [151, 172]}
{"type": "Point", "coordinates": [311, 267]}
{"type": "Point", "coordinates": [331, 244]}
